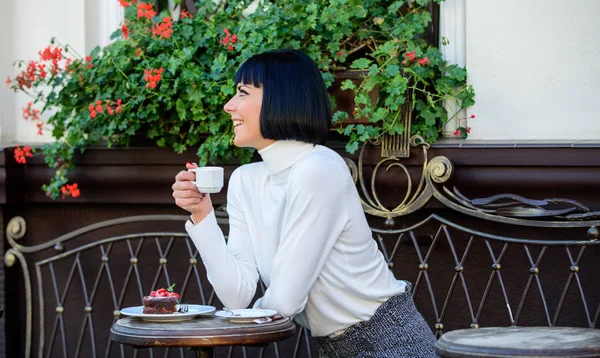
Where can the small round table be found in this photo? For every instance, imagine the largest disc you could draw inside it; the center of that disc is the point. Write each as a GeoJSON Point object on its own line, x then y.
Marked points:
{"type": "Point", "coordinates": [201, 334]}
{"type": "Point", "coordinates": [520, 342]}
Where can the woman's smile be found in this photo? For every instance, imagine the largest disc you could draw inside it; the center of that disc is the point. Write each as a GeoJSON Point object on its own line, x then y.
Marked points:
{"type": "Point", "coordinates": [236, 124]}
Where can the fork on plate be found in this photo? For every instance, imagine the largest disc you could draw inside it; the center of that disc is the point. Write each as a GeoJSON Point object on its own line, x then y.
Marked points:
{"type": "Point", "coordinates": [183, 308]}
{"type": "Point", "coordinates": [231, 313]}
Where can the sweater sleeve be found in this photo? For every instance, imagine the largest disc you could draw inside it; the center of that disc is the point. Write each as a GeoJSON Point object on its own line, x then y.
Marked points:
{"type": "Point", "coordinates": [231, 267]}
{"type": "Point", "coordinates": [316, 215]}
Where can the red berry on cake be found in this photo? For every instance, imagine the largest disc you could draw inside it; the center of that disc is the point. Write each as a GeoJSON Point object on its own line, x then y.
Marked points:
{"type": "Point", "coordinates": [161, 301]}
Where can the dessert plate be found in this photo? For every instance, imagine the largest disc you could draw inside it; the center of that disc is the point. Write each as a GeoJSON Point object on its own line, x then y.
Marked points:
{"type": "Point", "coordinates": [193, 311]}
{"type": "Point", "coordinates": [245, 315]}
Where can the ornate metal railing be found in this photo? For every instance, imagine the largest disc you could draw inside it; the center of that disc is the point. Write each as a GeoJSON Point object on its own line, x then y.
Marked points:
{"type": "Point", "coordinates": [508, 210]}
{"type": "Point", "coordinates": [503, 208]}
{"type": "Point", "coordinates": [88, 284]}
{"type": "Point", "coordinates": [501, 260]}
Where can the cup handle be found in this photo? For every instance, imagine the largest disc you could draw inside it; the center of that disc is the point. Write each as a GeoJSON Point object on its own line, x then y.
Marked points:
{"type": "Point", "coordinates": [191, 170]}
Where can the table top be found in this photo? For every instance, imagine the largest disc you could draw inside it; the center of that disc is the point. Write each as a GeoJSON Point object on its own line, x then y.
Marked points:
{"type": "Point", "coordinates": [203, 331]}
{"type": "Point", "coordinates": [520, 341]}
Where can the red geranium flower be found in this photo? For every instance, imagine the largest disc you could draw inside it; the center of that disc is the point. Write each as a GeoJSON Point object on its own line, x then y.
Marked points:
{"type": "Point", "coordinates": [118, 109]}
{"type": "Point", "coordinates": [424, 61]}
{"type": "Point", "coordinates": [228, 40]}
{"type": "Point", "coordinates": [40, 126]}
{"type": "Point", "coordinates": [22, 153]}
{"type": "Point", "coordinates": [70, 190]}
{"type": "Point", "coordinates": [164, 29]}
{"type": "Point", "coordinates": [151, 78]}
{"type": "Point", "coordinates": [145, 10]}
{"type": "Point", "coordinates": [126, 3]}
{"type": "Point", "coordinates": [30, 113]}
{"type": "Point", "coordinates": [185, 14]}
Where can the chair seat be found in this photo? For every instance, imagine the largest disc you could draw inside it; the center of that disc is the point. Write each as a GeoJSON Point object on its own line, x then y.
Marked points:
{"type": "Point", "coordinates": [520, 342]}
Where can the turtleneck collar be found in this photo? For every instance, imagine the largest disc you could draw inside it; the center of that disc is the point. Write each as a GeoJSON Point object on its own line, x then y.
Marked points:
{"type": "Point", "coordinates": [283, 154]}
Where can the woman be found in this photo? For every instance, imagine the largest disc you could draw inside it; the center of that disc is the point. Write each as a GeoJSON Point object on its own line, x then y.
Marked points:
{"type": "Point", "coordinates": [296, 222]}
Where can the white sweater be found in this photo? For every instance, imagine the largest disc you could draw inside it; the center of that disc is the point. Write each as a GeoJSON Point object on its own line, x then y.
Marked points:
{"type": "Point", "coordinates": [296, 222]}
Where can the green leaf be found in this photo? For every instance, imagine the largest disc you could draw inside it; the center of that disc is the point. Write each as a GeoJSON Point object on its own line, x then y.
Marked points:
{"type": "Point", "coordinates": [362, 98]}
{"type": "Point", "coordinates": [466, 97]}
{"type": "Point", "coordinates": [339, 116]}
{"type": "Point", "coordinates": [370, 82]}
{"type": "Point", "coordinates": [347, 84]}
{"type": "Point", "coordinates": [181, 109]}
{"type": "Point", "coordinates": [312, 8]}
{"type": "Point", "coordinates": [392, 70]}
{"type": "Point", "coordinates": [396, 128]}
{"type": "Point", "coordinates": [352, 147]}
{"type": "Point", "coordinates": [457, 73]}
{"type": "Point", "coordinates": [348, 129]}
{"type": "Point", "coordinates": [361, 63]}
{"type": "Point", "coordinates": [379, 115]}
{"type": "Point", "coordinates": [395, 6]}
{"type": "Point", "coordinates": [429, 117]}
{"type": "Point", "coordinates": [359, 11]}
{"type": "Point", "coordinates": [179, 148]}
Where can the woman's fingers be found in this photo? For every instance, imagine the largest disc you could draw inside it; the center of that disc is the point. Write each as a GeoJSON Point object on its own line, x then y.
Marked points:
{"type": "Point", "coordinates": [185, 202]}
{"type": "Point", "coordinates": [183, 185]}
{"type": "Point", "coordinates": [185, 175]}
{"type": "Point", "coordinates": [184, 194]}
{"type": "Point", "coordinates": [189, 165]}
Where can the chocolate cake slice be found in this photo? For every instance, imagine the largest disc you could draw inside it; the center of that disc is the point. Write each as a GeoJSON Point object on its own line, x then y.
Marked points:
{"type": "Point", "coordinates": [159, 305]}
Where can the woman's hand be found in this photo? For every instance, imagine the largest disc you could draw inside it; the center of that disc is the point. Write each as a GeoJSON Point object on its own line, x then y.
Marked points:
{"type": "Point", "coordinates": [188, 197]}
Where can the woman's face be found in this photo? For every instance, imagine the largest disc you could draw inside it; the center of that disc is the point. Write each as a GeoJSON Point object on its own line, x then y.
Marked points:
{"type": "Point", "coordinates": [244, 109]}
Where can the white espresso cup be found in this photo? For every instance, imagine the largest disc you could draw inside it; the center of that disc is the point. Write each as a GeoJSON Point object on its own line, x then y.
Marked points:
{"type": "Point", "coordinates": [208, 179]}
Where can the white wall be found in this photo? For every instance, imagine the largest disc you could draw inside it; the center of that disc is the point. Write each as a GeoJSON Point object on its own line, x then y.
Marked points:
{"type": "Point", "coordinates": [26, 28]}
{"type": "Point", "coordinates": [535, 66]}
{"type": "Point", "coordinates": [34, 22]}
{"type": "Point", "coordinates": [103, 17]}
{"type": "Point", "coordinates": [7, 112]}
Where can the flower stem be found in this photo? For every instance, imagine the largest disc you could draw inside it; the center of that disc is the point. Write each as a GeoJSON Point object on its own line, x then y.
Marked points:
{"type": "Point", "coordinates": [118, 68]}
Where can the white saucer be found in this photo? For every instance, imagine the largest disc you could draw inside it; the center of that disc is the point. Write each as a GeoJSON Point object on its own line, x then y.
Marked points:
{"type": "Point", "coordinates": [245, 315]}
{"type": "Point", "coordinates": [193, 311]}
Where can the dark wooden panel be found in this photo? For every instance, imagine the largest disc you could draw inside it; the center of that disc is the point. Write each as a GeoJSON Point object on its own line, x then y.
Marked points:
{"type": "Point", "coordinates": [145, 175]}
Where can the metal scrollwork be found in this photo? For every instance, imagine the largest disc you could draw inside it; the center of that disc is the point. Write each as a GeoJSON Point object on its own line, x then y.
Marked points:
{"type": "Point", "coordinates": [15, 230]}
{"type": "Point", "coordinates": [506, 208]}
{"type": "Point", "coordinates": [516, 209]}
{"type": "Point", "coordinates": [518, 206]}
{"type": "Point", "coordinates": [439, 169]}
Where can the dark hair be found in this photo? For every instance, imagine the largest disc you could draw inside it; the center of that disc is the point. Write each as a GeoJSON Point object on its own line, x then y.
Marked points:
{"type": "Point", "coordinates": [295, 102]}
